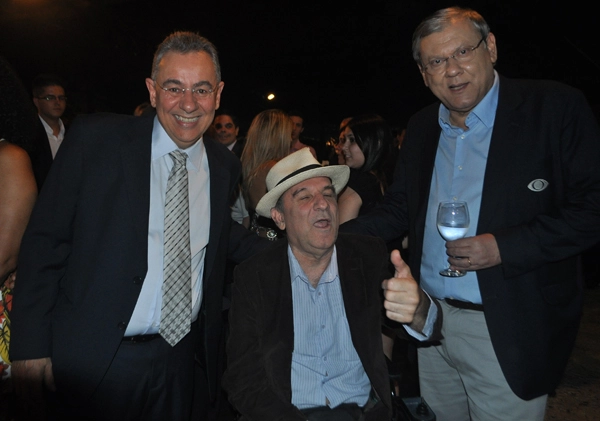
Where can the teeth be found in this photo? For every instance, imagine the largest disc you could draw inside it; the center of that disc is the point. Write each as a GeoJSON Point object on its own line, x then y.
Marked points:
{"type": "Point", "coordinates": [186, 119]}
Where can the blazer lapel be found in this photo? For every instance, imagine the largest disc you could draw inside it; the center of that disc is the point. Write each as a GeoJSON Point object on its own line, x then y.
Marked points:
{"type": "Point", "coordinates": [506, 141]}
{"type": "Point", "coordinates": [354, 287]}
{"type": "Point", "coordinates": [276, 296]}
{"type": "Point", "coordinates": [219, 191]}
{"type": "Point", "coordinates": [136, 160]}
{"type": "Point", "coordinates": [428, 145]}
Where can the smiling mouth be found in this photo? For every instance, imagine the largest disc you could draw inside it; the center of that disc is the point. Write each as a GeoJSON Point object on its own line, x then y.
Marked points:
{"type": "Point", "coordinates": [187, 119]}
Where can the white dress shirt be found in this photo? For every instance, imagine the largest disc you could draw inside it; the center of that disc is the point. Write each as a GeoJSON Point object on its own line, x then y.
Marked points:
{"type": "Point", "coordinates": [146, 315]}
{"type": "Point", "coordinates": [54, 141]}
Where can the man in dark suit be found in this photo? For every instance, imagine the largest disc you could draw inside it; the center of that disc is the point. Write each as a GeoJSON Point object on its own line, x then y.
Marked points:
{"type": "Point", "coordinates": [226, 130]}
{"type": "Point", "coordinates": [305, 339]}
{"type": "Point", "coordinates": [87, 309]}
{"type": "Point", "coordinates": [525, 156]}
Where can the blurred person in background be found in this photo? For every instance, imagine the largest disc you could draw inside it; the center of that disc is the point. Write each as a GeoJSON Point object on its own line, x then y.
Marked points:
{"type": "Point", "coordinates": [226, 129]}
{"type": "Point", "coordinates": [268, 140]}
{"type": "Point", "coordinates": [366, 142]}
{"type": "Point", "coordinates": [18, 191]}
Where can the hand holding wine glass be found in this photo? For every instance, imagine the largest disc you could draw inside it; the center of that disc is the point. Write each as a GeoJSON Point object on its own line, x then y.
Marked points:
{"type": "Point", "coordinates": [453, 223]}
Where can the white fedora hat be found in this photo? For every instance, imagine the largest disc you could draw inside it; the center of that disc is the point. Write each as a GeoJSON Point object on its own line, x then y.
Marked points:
{"type": "Point", "coordinates": [294, 169]}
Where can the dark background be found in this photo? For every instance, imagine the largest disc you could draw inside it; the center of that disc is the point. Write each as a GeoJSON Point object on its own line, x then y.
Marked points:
{"type": "Point", "coordinates": [329, 59]}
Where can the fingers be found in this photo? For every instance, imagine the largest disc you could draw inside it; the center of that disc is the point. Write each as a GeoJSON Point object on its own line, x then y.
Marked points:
{"type": "Point", "coordinates": [474, 253]}
{"type": "Point", "coordinates": [401, 268]}
{"type": "Point", "coordinates": [400, 292]}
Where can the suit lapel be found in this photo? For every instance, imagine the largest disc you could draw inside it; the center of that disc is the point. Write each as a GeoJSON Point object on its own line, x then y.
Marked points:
{"type": "Point", "coordinates": [354, 288]}
{"type": "Point", "coordinates": [219, 191]}
{"type": "Point", "coordinates": [276, 286]}
{"type": "Point", "coordinates": [135, 158]}
{"type": "Point", "coordinates": [276, 295]}
{"type": "Point", "coordinates": [428, 145]}
{"type": "Point", "coordinates": [506, 138]}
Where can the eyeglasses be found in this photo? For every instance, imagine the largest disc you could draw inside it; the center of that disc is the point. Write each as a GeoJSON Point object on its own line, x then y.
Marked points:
{"type": "Point", "coordinates": [462, 55]}
{"type": "Point", "coordinates": [49, 98]}
{"type": "Point", "coordinates": [177, 92]}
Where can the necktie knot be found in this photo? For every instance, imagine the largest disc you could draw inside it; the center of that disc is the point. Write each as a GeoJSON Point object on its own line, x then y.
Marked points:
{"type": "Point", "coordinates": [178, 157]}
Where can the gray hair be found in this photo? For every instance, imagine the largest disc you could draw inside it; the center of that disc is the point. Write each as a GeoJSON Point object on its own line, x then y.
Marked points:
{"type": "Point", "coordinates": [439, 20]}
{"type": "Point", "coordinates": [183, 43]}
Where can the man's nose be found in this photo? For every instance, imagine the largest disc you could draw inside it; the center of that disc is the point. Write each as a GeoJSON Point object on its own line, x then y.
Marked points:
{"type": "Point", "coordinates": [453, 67]}
{"type": "Point", "coordinates": [188, 102]}
{"type": "Point", "coordinates": [321, 202]}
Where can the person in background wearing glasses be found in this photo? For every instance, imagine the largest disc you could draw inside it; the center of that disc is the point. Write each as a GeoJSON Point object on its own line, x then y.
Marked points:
{"type": "Point", "coordinates": [525, 156]}
{"type": "Point", "coordinates": [50, 100]}
{"type": "Point", "coordinates": [87, 304]}
{"type": "Point", "coordinates": [226, 130]}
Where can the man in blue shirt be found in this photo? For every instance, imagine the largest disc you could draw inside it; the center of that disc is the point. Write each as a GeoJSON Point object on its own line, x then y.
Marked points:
{"type": "Point", "coordinates": [524, 155]}
{"type": "Point", "coordinates": [306, 316]}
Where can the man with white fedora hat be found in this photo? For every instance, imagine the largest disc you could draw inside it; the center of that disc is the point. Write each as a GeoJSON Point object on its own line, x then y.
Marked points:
{"type": "Point", "coordinates": [305, 319]}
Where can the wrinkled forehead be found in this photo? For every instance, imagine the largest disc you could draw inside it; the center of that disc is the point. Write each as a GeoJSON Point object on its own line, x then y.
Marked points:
{"type": "Point", "coordinates": [195, 67]}
{"type": "Point", "coordinates": [458, 33]}
{"type": "Point", "coordinates": [314, 184]}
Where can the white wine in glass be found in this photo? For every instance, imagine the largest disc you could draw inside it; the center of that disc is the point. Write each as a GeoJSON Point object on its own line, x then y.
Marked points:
{"type": "Point", "coordinates": [453, 223]}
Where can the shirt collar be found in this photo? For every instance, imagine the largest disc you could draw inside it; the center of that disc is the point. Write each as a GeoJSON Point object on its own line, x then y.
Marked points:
{"type": "Point", "coordinates": [296, 272]}
{"type": "Point", "coordinates": [485, 111]}
{"type": "Point", "coordinates": [162, 145]}
{"type": "Point", "coordinates": [49, 130]}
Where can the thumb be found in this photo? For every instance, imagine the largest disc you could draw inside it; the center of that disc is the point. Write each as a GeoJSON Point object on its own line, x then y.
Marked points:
{"type": "Point", "coordinates": [402, 269]}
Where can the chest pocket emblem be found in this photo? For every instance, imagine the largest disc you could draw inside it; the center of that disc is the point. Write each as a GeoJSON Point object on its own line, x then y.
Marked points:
{"type": "Point", "coordinates": [538, 185]}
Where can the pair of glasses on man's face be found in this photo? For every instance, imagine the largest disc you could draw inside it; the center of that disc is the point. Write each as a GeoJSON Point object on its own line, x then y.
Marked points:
{"type": "Point", "coordinates": [437, 66]}
{"type": "Point", "coordinates": [178, 92]}
{"type": "Point", "coordinates": [50, 98]}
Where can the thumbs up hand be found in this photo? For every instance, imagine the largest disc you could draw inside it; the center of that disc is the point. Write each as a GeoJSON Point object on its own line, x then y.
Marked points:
{"type": "Point", "coordinates": [405, 302]}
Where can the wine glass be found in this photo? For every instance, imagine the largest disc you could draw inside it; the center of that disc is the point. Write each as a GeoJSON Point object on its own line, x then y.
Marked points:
{"type": "Point", "coordinates": [453, 223]}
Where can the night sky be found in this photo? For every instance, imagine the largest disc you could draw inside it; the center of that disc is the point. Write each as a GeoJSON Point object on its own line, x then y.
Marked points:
{"type": "Point", "coordinates": [329, 59]}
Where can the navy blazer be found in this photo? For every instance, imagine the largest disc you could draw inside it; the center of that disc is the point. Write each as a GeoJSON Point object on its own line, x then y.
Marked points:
{"type": "Point", "coordinates": [533, 301]}
{"type": "Point", "coordinates": [84, 254]}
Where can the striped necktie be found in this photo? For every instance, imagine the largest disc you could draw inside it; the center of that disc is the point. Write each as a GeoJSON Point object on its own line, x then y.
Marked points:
{"type": "Point", "coordinates": [176, 307]}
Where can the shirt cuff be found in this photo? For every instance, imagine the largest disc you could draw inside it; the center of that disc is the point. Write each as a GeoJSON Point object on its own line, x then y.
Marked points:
{"type": "Point", "coordinates": [429, 323]}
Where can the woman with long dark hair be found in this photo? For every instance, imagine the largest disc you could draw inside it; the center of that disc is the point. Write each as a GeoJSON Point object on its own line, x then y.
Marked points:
{"type": "Point", "coordinates": [366, 142]}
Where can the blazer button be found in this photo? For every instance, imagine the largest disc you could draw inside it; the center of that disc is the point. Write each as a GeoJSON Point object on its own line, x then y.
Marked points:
{"type": "Point", "coordinates": [122, 325]}
{"type": "Point", "coordinates": [138, 280]}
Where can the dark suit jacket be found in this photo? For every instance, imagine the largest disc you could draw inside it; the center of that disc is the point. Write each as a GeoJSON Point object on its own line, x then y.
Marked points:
{"type": "Point", "coordinates": [238, 147]}
{"type": "Point", "coordinates": [261, 341]}
{"type": "Point", "coordinates": [84, 254]}
{"type": "Point", "coordinates": [543, 130]}
{"type": "Point", "coordinates": [40, 154]}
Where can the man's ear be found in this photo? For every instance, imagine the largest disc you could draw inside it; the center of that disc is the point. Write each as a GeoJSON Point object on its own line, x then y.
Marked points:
{"type": "Point", "coordinates": [278, 218]}
{"type": "Point", "coordinates": [151, 91]}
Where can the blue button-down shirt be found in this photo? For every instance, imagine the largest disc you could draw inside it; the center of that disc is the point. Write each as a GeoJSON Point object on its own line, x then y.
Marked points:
{"type": "Point", "coordinates": [458, 175]}
{"type": "Point", "coordinates": [325, 365]}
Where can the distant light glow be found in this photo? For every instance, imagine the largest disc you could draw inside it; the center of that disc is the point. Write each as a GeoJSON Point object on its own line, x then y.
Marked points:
{"type": "Point", "coordinates": [271, 97]}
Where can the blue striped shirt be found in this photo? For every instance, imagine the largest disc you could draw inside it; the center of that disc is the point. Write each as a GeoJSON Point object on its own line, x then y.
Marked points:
{"type": "Point", "coordinates": [325, 365]}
